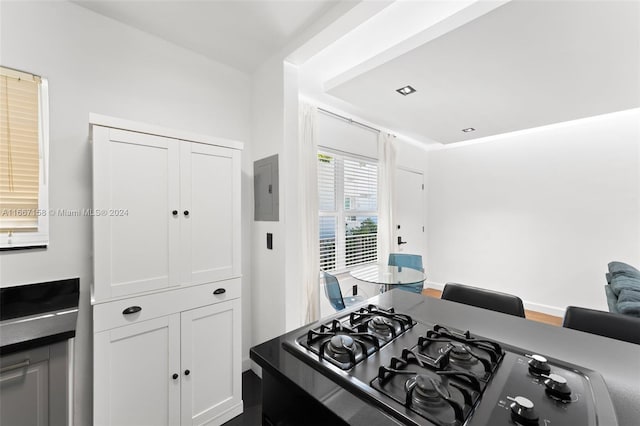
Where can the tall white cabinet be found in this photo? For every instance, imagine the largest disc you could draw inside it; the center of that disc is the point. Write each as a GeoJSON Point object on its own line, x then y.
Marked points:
{"type": "Point", "coordinates": [167, 281]}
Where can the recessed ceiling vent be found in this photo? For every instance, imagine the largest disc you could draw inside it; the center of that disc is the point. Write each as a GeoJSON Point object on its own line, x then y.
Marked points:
{"type": "Point", "coordinates": [406, 90]}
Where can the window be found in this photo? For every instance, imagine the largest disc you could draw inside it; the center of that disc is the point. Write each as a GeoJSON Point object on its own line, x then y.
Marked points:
{"type": "Point", "coordinates": [348, 210]}
{"type": "Point", "coordinates": [23, 152]}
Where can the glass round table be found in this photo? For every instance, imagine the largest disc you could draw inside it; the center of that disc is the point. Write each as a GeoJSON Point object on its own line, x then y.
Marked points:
{"type": "Point", "coordinates": [387, 276]}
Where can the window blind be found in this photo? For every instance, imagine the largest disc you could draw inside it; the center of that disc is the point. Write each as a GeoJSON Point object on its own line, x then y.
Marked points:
{"type": "Point", "coordinates": [348, 204]}
{"type": "Point", "coordinates": [19, 151]}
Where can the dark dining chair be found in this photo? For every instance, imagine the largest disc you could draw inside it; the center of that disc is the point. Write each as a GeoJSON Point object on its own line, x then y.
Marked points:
{"type": "Point", "coordinates": [334, 294]}
{"type": "Point", "coordinates": [607, 324]}
{"type": "Point", "coordinates": [482, 298]}
{"type": "Point", "coordinates": [412, 261]}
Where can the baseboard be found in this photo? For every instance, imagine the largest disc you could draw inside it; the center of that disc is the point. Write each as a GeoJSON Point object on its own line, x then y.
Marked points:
{"type": "Point", "coordinates": [246, 364]}
{"type": "Point", "coordinates": [256, 369]}
{"type": "Point", "coordinates": [232, 412]}
{"type": "Point", "coordinates": [434, 285]}
{"type": "Point", "coordinates": [544, 309]}
{"type": "Point", "coordinates": [556, 311]}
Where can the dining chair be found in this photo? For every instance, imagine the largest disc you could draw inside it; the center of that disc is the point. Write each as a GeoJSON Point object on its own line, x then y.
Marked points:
{"type": "Point", "coordinates": [482, 298]}
{"type": "Point", "coordinates": [607, 324]}
{"type": "Point", "coordinates": [413, 261]}
{"type": "Point", "coordinates": [334, 294]}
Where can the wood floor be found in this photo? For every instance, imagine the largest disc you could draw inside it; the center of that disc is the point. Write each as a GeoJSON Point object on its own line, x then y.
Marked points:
{"type": "Point", "coordinates": [531, 315]}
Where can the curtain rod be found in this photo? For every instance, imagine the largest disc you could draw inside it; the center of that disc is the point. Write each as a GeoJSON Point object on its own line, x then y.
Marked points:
{"type": "Point", "coordinates": [350, 120]}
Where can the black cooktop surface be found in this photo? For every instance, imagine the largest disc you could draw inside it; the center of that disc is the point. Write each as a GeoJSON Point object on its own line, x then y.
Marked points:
{"type": "Point", "coordinates": [434, 374]}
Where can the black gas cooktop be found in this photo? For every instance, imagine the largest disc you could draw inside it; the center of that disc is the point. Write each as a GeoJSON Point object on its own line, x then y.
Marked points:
{"type": "Point", "coordinates": [432, 374]}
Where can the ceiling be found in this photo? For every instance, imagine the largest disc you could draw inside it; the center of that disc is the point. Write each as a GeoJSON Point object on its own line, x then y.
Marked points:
{"type": "Point", "coordinates": [524, 64]}
{"type": "Point", "coordinates": [240, 33]}
{"type": "Point", "coordinates": [493, 65]}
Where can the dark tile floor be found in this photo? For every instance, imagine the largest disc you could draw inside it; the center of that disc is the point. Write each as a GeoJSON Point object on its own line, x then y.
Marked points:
{"type": "Point", "coordinates": [252, 399]}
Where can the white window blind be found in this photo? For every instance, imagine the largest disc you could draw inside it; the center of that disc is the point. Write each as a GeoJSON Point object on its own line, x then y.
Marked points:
{"type": "Point", "coordinates": [348, 203]}
{"type": "Point", "coordinates": [22, 185]}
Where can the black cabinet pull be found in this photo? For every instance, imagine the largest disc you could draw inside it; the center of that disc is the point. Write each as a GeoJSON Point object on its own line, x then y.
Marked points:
{"type": "Point", "coordinates": [219, 291]}
{"type": "Point", "coordinates": [131, 310]}
{"type": "Point", "coordinates": [186, 212]}
{"type": "Point", "coordinates": [187, 372]}
{"type": "Point", "coordinates": [175, 212]}
{"type": "Point", "coordinates": [175, 376]}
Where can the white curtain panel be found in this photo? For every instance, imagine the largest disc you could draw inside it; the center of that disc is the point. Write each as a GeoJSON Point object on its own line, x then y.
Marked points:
{"type": "Point", "coordinates": [308, 196]}
{"type": "Point", "coordinates": [386, 185]}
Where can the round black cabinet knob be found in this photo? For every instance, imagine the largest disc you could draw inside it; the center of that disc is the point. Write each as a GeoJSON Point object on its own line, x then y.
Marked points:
{"type": "Point", "coordinates": [186, 212]}
{"type": "Point", "coordinates": [538, 365]}
{"type": "Point", "coordinates": [522, 411]}
{"type": "Point", "coordinates": [187, 372]}
{"type": "Point", "coordinates": [175, 212]}
{"type": "Point", "coordinates": [557, 388]}
{"type": "Point", "coordinates": [175, 376]}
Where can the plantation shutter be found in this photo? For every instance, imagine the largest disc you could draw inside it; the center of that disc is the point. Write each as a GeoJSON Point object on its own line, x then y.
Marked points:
{"type": "Point", "coordinates": [361, 211]}
{"type": "Point", "coordinates": [19, 151]}
{"type": "Point", "coordinates": [348, 211]}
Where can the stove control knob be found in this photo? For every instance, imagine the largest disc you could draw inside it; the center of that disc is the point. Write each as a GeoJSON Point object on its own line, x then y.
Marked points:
{"type": "Point", "coordinates": [557, 388]}
{"type": "Point", "coordinates": [538, 365]}
{"type": "Point", "coordinates": [522, 411]}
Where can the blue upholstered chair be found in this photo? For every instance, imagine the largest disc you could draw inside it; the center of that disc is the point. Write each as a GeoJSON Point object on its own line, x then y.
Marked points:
{"type": "Point", "coordinates": [413, 261]}
{"type": "Point", "coordinates": [334, 294]}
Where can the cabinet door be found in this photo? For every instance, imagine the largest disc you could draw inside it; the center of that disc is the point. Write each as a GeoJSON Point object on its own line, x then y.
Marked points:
{"type": "Point", "coordinates": [133, 374]}
{"type": "Point", "coordinates": [24, 388]}
{"type": "Point", "coordinates": [210, 232]}
{"type": "Point", "coordinates": [136, 191]}
{"type": "Point", "coordinates": [211, 352]}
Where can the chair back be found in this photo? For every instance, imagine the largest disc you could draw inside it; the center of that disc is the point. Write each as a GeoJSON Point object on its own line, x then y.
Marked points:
{"type": "Point", "coordinates": [486, 299]}
{"type": "Point", "coordinates": [332, 291]}
{"type": "Point", "coordinates": [413, 261]}
{"type": "Point", "coordinates": [607, 324]}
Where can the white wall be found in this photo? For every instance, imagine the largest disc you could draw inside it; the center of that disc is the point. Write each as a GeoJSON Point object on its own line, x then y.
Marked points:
{"type": "Point", "coordinates": [267, 135]}
{"type": "Point", "coordinates": [341, 135]}
{"type": "Point", "coordinates": [538, 213]}
{"type": "Point", "coordinates": [95, 64]}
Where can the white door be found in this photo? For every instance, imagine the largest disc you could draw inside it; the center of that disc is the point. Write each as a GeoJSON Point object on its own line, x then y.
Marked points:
{"type": "Point", "coordinates": [211, 353]}
{"type": "Point", "coordinates": [134, 370]}
{"type": "Point", "coordinates": [210, 208]}
{"type": "Point", "coordinates": [409, 236]}
{"type": "Point", "coordinates": [136, 193]}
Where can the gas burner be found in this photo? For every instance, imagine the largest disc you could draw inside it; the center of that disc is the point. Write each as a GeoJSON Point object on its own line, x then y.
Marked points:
{"type": "Point", "coordinates": [461, 353]}
{"type": "Point", "coordinates": [343, 348]}
{"type": "Point", "coordinates": [427, 390]}
{"type": "Point", "coordinates": [380, 324]}
{"type": "Point", "coordinates": [341, 344]}
{"type": "Point", "coordinates": [442, 397]}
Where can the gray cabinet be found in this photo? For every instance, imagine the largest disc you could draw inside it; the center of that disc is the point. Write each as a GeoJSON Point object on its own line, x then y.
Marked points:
{"type": "Point", "coordinates": [34, 386]}
{"type": "Point", "coordinates": [266, 189]}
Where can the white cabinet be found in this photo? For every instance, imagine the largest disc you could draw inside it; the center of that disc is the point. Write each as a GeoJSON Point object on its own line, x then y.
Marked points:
{"type": "Point", "coordinates": [133, 374]}
{"type": "Point", "coordinates": [166, 213]}
{"type": "Point", "coordinates": [210, 193]}
{"type": "Point", "coordinates": [136, 182]}
{"type": "Point", "coordinates": [179, 369]}
{"type": "Point", "coordinates": [210, 339]}
{"type": "Point", "coordinates": [166, 295]}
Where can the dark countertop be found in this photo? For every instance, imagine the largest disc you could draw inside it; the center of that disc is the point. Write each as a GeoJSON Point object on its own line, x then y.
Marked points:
{"type": "Point", "coordinates": [38, 314]}
{"type": "Point", "coordinates": [618, 362]}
